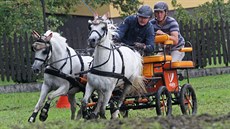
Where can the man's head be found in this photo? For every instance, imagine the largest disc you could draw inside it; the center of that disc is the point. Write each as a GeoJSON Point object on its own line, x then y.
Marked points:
{"type": "Point", "coordinates": [160, 11]}
{"type": "Point", "coordinates": [144, 14]}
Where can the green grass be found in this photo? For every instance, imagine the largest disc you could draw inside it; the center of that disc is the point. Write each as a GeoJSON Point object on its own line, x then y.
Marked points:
{"type": "Point", "coordinates": [212, 95]}
{"type": "Point", "coordinates": [5, 83]}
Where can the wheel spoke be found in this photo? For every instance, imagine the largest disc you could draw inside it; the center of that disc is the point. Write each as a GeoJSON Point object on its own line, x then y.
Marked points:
{"type": "Point", "coordinates": [188, 100]}
{"type": "Point", "coordinates": [163, 104]}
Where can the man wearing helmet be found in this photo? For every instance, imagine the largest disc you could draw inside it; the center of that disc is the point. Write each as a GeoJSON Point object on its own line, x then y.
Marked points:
{"type": "Point", "coordinates": [164, 24]}
{"type": "Point", "coordinates": [137, 31]}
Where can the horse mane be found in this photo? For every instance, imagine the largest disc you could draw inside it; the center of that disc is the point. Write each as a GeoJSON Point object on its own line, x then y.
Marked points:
{"type": "Point", "coordinates": [112, 28]}
{"type": "Point", "coordinates": [57, 38]}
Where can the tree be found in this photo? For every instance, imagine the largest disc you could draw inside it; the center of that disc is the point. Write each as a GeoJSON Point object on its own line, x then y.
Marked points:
{"type": "Point", "coordinates": [19, 16]}
{"type": "Point", "coordinates": [28, 15]}
{"type": "Point", "coordinates": [180, 13]}
{"type": "Point", "coordinates": [215, 10]}
{"type": "Point", "coordinates": [126, 7]}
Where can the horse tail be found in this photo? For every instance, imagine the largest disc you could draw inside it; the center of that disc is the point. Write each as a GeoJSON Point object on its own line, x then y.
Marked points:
{"type": "Point", "coordinates": [138, 85]}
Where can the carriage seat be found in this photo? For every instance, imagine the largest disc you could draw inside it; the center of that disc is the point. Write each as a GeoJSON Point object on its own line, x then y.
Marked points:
{"type": "Point", "coordinates": [157, 58]}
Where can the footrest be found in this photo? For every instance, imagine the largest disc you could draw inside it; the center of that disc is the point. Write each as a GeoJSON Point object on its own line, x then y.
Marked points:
{"type": "Point", "coordinates": [180, 64]}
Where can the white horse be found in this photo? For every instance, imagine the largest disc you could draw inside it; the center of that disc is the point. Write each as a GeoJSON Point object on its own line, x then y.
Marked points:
{"type": "Point", "coordinates": [112, 66]}
{"type": "Point", "coordinates": [62, 63]}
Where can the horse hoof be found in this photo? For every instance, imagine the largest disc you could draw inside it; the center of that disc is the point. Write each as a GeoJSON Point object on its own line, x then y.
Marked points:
{"type": "Point", "coordinates": [43, 116]}
{"type": "Point", "coordinates": [31, 120]}
{"type": "Point", "coordinates": [102, 117]}
{"type": "Point", "coordinates": [93, 116]}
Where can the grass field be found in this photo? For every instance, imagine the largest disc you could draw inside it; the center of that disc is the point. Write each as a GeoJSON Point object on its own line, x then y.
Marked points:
{"type": "Point", "coordinates": [212, 94]}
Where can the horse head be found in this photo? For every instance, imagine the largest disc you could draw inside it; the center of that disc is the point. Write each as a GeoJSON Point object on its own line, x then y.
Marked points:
{"type": "Point", "coordinates": [98, 30]}
{"type": "Point", "coordinates": [42, 49]}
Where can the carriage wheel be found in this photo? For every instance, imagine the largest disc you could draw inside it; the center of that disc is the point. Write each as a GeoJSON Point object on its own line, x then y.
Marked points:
{"type": "Point", "coordinates": [188, 102]}
{"type": "Point", "coordinates": [163, 102]}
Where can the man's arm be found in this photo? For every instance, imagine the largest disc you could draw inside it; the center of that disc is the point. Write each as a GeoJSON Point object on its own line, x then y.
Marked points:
{"type": "Point", "coordinates": [150, 40]}
{"type": "Point", "coordinates": [122, 29]}
{"type": "Point", "coordinates": [173, 36]}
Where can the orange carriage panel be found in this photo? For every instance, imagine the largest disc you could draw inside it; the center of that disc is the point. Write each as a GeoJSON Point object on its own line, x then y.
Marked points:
{"type": "Point", "coordinates": [171, 80]}
{"type": "Point", "coordinates": [153, 64]}
{"type": "Point", "coordinates": [155, 87]}
{"type": "Point", "coordinates": [148, 70]}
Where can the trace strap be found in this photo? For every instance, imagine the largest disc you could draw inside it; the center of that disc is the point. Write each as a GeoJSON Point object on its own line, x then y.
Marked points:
{"type": "Point", "coordinates": [112, 74]}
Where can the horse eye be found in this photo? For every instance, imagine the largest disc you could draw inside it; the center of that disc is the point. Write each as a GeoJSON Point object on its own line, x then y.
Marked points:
{"type": "Point", "coordinates": [104, 28]}
{"type": "Point", "coordinates": [46, 51]}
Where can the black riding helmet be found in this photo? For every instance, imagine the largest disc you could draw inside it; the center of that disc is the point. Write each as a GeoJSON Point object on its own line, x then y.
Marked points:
{"type": "Point", "coordinates": [161, 6]}
{"type": "Point", "coordinates": [145, 11]}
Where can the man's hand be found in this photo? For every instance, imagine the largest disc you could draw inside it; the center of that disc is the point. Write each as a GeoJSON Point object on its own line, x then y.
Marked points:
{"type": "Point", "coordinates": [159, 32]}
{"type": "Point", "coordinates": [140, 45]}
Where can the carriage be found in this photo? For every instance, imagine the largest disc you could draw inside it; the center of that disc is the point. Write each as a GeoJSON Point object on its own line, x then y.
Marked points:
{"type": "Point", "coordinates": [162, 85]}
{"type": "Point", "coordinates": [157, 75]}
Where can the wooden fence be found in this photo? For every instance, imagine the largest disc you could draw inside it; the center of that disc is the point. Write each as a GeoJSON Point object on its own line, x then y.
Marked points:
{"type": "Point", "coordinates": [211, 42]}
{"type": "Point", "coordinates": [211, 45]}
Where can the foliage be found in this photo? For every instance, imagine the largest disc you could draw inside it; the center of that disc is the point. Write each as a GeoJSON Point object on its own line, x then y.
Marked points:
{"type": "Point", "coordinates": [21, 20]}
{"type": "Point", "coordinates": [61, 6]}
{"type": "Point", "coordinates": [29, 16]}
{"type": "Point", "coordinates": [180, 13]}
{"type": "Point", "coordinates": [26, 17]}
{"type": "Point", "coordinates": [215, 10]}
{"type": "Point", "coordinates": [126, 7]}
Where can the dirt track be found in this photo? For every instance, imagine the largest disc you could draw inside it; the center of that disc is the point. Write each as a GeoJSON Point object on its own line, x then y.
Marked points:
{"type": "Point", "coordinates": [177, 122]}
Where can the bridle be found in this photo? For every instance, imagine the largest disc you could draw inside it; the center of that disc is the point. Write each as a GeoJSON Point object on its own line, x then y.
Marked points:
{"type": "Point", "coordinates": [111, 49]}
{"type": "Point", "coordinates": [47, 51]}
{"type": "Point", "coordinates": [97, 22]}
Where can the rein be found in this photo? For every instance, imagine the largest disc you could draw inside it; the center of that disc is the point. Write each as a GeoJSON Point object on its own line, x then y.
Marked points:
{"type": "Point", "coordinates": [111, 74]}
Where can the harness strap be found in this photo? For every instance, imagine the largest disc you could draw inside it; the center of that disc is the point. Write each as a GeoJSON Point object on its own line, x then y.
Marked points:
{"type": "Point", "coordinates": [82, 63]}
{"type": "Point", "coordinates": [73, 81]}
{"type": "Point", "coordinates": [123, 65]}
{"type": "Point", "coordinates": [69, 56]}
{"type": "Point", "coordinates": [104, 62]}
{"type": "Point", "coordinates": [70, 59]}
{"type": "Point", "coordinates": [110, 74]}
{"type": "Point", "coordinates": [65, 60]}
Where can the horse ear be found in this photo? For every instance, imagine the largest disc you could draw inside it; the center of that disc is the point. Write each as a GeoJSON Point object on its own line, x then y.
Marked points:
{"type": "Point", "coordinates": [35, 34]}
{"type": "Point", "coordinates": [105, 16]}
{"type": "Point", "coordinates": [47, 39]}
{"type": "Point", "coordinates": [95, 15]}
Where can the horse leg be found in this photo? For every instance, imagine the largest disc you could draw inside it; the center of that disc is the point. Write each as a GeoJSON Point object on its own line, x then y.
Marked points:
{"type": "Point", "coordinates": [83, 110]}
{"type": "Point", "coordinates": [44, 91]}
{"type": "Point", "coordinates": [120, 101]}
{"type": "Point", "coordinates": [107, 95]}
{"type": "Point", "coordinates": [98, 106]}
{"type": "Point", "coordinates": [72, 101]}
{"type": "Point", "coordinates": [60, 91]}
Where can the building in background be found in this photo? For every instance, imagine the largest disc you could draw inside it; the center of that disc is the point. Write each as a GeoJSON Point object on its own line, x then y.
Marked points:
{"type": "Point", "coordinates": [75, 29]}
